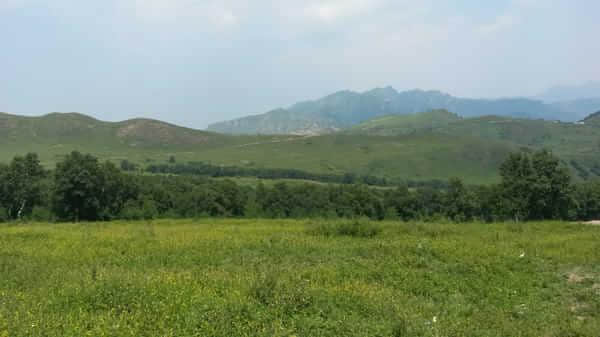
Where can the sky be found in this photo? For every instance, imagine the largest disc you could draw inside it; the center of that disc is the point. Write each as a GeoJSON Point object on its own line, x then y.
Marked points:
{"type": "Point", "coordinates": [194, 62]}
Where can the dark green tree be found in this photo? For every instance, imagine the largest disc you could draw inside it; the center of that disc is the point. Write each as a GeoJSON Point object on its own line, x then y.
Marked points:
{"type": "Point", "coordinates": [21, 185]}
{"type": "Point", "coordinates": [535, 187]}
{"type": "Point", "coordinates": [587, 198]}
{"type": "Point", "coordinates": [403, 202]}
{"type": "Point", "coordinates": [84, 189]}
{"type": "Point", "coordinates": [278, 202]}
{"type": "Point", "coordinates": [552, 191]}
{"type": "Point", "coordinates": [516, 186]}
{"type": "Point", "coordinates": [3, 192]}
{"type": "Point", "coordinates": [78, 188]}
{"type": "Point", "coordinates": [459, 201]}
{"type": "Point", "coordinates": [126, 165]}
{"type": "Point", "coordinates": [116, 190]}
{"type": "Point", "coordinates": [429, 202]}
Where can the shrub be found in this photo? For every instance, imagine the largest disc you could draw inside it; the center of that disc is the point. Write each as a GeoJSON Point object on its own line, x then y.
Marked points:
{"type": "Point", "coordinates": [400, 329]}
{"type": "Point", "coordinates": [138, 210]}
{"type": "Point", "coordinates": [264, 288]}
{"type": "Point", "coordinates": [3, 214]}
{"type": "Point", "coordinates": [42, 214]}
{"type": "Point", "coordinates": [354, 228]}
{"type": "Point", "coordinates": [291, 295]}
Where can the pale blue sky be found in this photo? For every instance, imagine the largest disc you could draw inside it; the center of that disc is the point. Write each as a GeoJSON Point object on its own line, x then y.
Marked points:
{"type": "Point", "coordinates": [194, 62]}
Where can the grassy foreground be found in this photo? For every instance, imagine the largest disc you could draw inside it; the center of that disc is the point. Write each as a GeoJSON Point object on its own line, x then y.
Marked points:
{"type": "Point", "coordinates": [299, 278]}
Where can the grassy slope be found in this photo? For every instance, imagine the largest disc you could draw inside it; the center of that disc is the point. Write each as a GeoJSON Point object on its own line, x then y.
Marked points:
{"type": "Point", "coordinates": [275, 278]}
{"type": "Point", "coordinates": [54, 135]}
{"type": "Point", "coordinates": [144, 141]}
{"type": "Point", "coordinates": [405, 124]}
{"type": "Point", "coordinates": [435, 145]}
{"type": "Point", "coordinates": [568, 140]}
{"type": "Point", "coordinates": [412, 157]}
{"type": "Point", "coordinates": [528, 132]}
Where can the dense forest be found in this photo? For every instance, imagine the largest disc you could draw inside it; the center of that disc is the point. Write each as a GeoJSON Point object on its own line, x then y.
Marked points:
{"type": "Point", "coordinates": [534, 186]}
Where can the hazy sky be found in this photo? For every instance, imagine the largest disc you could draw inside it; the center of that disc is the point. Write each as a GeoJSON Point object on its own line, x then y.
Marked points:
{"type": "Point", "coordinates": [193, 62]}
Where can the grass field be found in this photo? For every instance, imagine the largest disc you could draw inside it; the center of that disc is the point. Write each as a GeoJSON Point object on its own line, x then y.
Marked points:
{"type": "Point", "coordinates": [299, 278]}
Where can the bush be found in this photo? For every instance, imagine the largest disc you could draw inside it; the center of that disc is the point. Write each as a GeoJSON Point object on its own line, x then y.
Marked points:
{"type": "Point", "coordinates": [3, 214]}
{"type": "Point", "coordinates": [290, 295]}
{"type": "Point", "coordinates": [400, 329]}
{"type": "Point", "coordinates": [264, 288]}
{"type": "Point", "coordinates": [140, 210]}
{"type": "Point", "coordinates": [42, 214]}
{"type": "Point", "coordinates": [354, 228]}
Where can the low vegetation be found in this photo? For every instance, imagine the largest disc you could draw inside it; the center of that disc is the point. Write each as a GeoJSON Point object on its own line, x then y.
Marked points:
{"type": "Point", "coordinates": [354, 228]}
{"type": "Point", "coordinates": [277, 278]}
{"type": "Point", "coordinates": [204, 169]}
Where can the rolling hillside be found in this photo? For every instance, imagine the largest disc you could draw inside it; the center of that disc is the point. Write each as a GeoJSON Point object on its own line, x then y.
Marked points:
{"type": "Point", "coordinates": [55, 134]}
{"type": "Point", "coordinates": [415, 157]}
{"type": "Point", "coordinates": [527, 132]}
{"type": "Point", "coordinates": [432, 145]}
{"type": "Point", "coordinates": [345, 109]}
{"type": "Point", "coordinates": [395, 125]}
{"type": "Point", "coordinates": [577, 143]}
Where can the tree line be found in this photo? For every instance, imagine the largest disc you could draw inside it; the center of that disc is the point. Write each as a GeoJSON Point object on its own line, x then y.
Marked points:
{"type": "Point", "coordinates": [534, 186]}
{"type": "Point", "coordinates": [217, 171]}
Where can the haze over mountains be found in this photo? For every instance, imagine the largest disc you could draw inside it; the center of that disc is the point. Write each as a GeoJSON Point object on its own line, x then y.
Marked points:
{"type": "Point", "coordinates": [345, 109]}
{"type": "Point", "coordinates": [586, 90]}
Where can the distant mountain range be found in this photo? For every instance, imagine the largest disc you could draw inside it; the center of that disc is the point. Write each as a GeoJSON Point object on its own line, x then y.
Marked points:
{"type": "Point", "coordinates": [571, 93]}
{"type": "Point", "coordinates": [345, 109]}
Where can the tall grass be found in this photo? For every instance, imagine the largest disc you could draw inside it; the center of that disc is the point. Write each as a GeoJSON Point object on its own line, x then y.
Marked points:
{"type": "Point", "coordinates": [356, 228]}
{"type": "Point", "coordinates": [299, 278]}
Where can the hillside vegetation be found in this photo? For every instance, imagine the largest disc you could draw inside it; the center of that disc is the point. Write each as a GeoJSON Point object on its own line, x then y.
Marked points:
{"type": "Point", "coordinates": [577, 143]}
{"type": "Point", "coordinates": [56, 134]}
{"type": "Point", "coordinates": [396, 125]}
{"type": "Point", "coordinates": [431, 145]}
{"type": "Point", "coordinates": [533, 187]}
{"type": "Point", "coordinates": [299, 278]}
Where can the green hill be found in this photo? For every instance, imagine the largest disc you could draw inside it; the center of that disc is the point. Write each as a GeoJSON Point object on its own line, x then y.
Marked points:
{"type": "Point", "coordinates": [55, 134]}
{"type": "Point", "coordinates": [415, 157]}
{"type": "Point", "coordinates": [432, 145]}
{"type": "Point", "coordinates": [405, 124]}
{"type": "Point", "coordinates": [577, 143]}
{"type": "Point", "coordinates": [556, 135]}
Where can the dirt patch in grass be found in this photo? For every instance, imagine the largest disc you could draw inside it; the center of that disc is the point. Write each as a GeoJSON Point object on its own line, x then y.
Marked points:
{"type": "Point", "coordinates": [575, 276]}
{"type": "Point", "coordinates": [584, 289]}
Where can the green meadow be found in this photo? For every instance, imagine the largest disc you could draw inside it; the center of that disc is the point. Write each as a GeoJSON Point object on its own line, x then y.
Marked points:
{"type": "Point", "coordinates": [299, 278]}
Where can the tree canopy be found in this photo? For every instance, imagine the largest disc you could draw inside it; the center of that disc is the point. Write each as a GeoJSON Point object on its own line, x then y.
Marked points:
{"type": "Point", "coordinates": [534, 186]}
